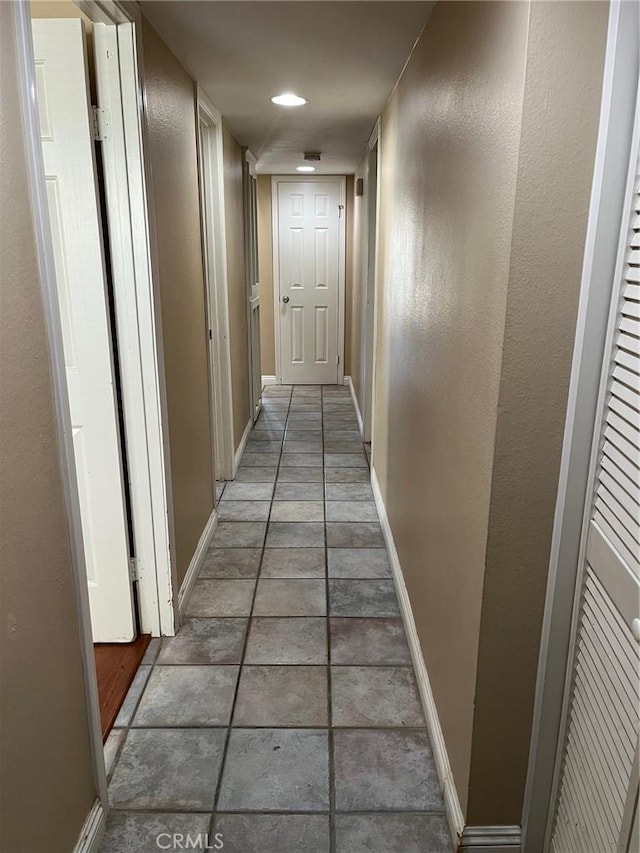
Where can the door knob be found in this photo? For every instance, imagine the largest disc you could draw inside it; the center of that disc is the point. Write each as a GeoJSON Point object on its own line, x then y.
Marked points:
{"type": "Point", "coordinates": [285, 299]}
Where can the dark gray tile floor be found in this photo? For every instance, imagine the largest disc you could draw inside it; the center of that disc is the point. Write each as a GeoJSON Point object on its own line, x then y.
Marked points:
{"type": "Point", "coordinates": [284, 716]}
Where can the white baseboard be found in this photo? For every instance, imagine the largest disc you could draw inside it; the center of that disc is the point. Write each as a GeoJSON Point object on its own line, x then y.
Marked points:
{"type": "Point", "coordinates": [453, 810]}
{"type": "Point", "coordinates": [241, 446]}
{"type": "Point", "coordinates": [491, 839]}
{"type": "Point", "coordinates": [93, 830]}
{"type": "Point", "coordinates": [355, 405]}
{"type": "Point", "coordinates": [269, 380]}
{"type": "Point", "coordinates": [196, 562]}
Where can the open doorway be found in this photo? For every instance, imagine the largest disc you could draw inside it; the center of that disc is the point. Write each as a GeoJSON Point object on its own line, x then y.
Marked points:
{"type": "Point", "coordinates": [86, 86]}
{"type": "Point", "coordinates": [368, 317]}
{"type": "Point", "coordinates": [85, 290]}
{"type": "Point", "coordinates": [211, 176]}
{"type": "Point", "coordinates": [63, 50]}
{"type": "Point", "coordinates": [253, 285]}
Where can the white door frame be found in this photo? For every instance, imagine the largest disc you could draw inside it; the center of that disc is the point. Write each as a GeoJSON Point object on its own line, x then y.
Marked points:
{"type": "Point", "coordinates": [370, 294]}
{"type": "Point", "coordinates": [138, 322]}
{"type": "Point", "coordinates": [251, 264]}
{"type": "Point", "coordinates": [342, 251]}
{"type": "Point", "coordinates": [620, 91]}
{"type": "Point", "coordinates": [215, 253]}
{"type": "Point", "coordinates": [136, 316]}
{"type": "Point", "coordinates": [44, 246]}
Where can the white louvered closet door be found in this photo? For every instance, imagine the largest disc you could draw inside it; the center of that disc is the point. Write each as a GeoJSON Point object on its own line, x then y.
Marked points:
{"type": "Point", "coordinates": [598, 770]}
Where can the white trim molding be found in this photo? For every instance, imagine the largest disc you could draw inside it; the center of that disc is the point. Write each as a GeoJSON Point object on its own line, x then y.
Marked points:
{"type": "Point", "coordinates": [136, 318]}
{"type": "Point", "coordinates": [488, 839]}
{"type": "Point", "coordinates": [375, 134]}
{"type": "Point", "coordinates": [109, 11]}
{"type": "Point", "coordinates": [348, 381]}
{"type": "Point", "coordinates": [452, 806]}
{"type": "Point", "coordinates": [491, 839]}
{"type": "Point", "coordinates": [149, 325]}
{"type": "Point", "coordinates": [269, 380]}
{"type": "Point", "coordinates": [92, 831]}
{"type": "Point", "coordinates": [242, 445]}
{"type": "Point", "coordinates": [250, 215]}
{"type": "Point", "coordinates": [196, 563]}
{"type": "Point", "coordinates": [252, 160]}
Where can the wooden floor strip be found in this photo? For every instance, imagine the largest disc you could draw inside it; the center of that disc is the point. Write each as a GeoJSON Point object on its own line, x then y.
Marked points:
{"type": "Point", "coordinates": [116, 665]}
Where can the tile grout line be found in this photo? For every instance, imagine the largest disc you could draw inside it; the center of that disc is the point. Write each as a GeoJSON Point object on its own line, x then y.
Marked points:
{"type": "Point", "coordinates": [331, 743]}
{"type": "Point", "coordinates": [352, 728]}
{"type": "Point", "coordinates": [272, 812]}
{"type": "Point", "coordinates": [276, 665]}
{"type": "Point", "coordinates": [333, 841]}
{"type": "Point", "coordinates": [225, 750]}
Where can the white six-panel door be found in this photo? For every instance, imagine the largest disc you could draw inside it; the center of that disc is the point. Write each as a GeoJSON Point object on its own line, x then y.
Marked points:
{"type": "Point", "coordinates": [308, 279]}
{"type": "Point", "coordinates": [67, 142]}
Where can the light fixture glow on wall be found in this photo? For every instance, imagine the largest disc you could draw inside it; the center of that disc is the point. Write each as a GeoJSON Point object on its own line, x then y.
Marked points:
{"type": "Point", "coordinates": [288, 99]}
{"type": "Point", "coordinates": [305, 168]}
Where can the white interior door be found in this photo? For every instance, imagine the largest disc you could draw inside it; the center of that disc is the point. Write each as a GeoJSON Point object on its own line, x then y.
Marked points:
{"type": "Point", "coordinates": [599, 762]}
{"type": "Point", "coordinates": [67, 142]}
{"type": "Point", "coordinates": [308, 273]}
{"type": "Point", "coordinates": [208, 249]}
{"type": "Point", "coordinates": [253, 286]}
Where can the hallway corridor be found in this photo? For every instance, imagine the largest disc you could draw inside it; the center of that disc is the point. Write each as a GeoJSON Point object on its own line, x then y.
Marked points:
{"type": "Point", "coordinates": [304, 732]}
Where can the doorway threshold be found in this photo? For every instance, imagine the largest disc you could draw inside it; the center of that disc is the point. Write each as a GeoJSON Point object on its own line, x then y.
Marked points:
{"type": "Point", "coordinates": [116, 666]}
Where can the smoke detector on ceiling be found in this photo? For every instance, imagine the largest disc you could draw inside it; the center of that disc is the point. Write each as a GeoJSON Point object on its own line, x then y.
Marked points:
{"type": "Point", "coordinates": [312, 156]}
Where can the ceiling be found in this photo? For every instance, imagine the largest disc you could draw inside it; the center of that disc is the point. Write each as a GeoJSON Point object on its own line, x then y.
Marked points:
{"type": "Point", "coordinates": [344, 57]}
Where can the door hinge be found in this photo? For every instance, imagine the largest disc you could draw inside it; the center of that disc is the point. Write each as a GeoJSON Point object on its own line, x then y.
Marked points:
{"type": "Point", "coordinates": [134, 569]}
{"type": "Point", "coordinates": [337, 359]}
{"type": "Point", "coordinates": [101, 124]}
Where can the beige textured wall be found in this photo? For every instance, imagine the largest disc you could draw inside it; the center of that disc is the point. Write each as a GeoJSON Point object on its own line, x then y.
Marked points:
{"type": "Point", "coordinates": [265, 275]}
{"type": "Point", "coordinates": [449, 150]}
{"type": "Point", "coordinates": [170, 115]}
{"type": "Point", "coordinates": [59, 9]}
{"type": "Point", "coordinates": [265, 261]}
{"type": "Point", "coordinates": [487, 155]}
{"type": "Point", "coordinates": [236, 283]}
{"type": "Point", "coordinates": [565, 60]}
{"type": "Point", "coordinates": [46, 781]}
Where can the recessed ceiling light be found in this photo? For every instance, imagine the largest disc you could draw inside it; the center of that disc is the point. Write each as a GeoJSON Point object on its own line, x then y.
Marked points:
{"type": "Point", "coordinates": [305, 168]}
{"type": "Point", "coordinates": [288, 99]}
